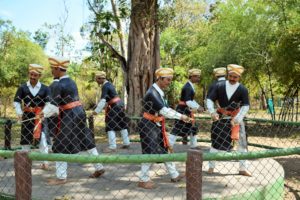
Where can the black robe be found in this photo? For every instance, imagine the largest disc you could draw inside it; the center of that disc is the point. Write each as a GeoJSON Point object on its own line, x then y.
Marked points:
{"type": "Point", "coordinates": [182, 128]}
{"type": "Point", "coordinates": [53, 121]}
{"type": "Point", "coordinates": [23, 95]}
{"type": "Point", "coordinates": [211, 86]}
{"type": "Point", "coordinates": [115, 118]}
{"type": "Point", "coordinates": [73, 135]}
{"type": "Point", "coordinates": [221, 129]}
{"type": "Point", "coordinates": [150, 132]}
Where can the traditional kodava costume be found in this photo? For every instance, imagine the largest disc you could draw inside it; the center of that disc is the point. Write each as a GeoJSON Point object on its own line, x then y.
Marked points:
{"type": "Point", "coordinates": [219, 74]}
{"type": "Point", "coordinates": [73, 135]}
{"type": "Point", "coordinates": [154, 139]}
{"type": "Point", "coordinates": [188, 106]}
{"type": "Point", "coordinates": [29, 102]}
{"type": "Point", "coordinates": [53, 120]}
{"type": "Point", "coordinates": [115, 117]}
{"type": "Point", "coordinates": [233, 103]}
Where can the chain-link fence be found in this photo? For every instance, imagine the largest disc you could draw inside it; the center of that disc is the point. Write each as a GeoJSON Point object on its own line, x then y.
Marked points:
{"type": "Point", "coordinates": [73, 154]}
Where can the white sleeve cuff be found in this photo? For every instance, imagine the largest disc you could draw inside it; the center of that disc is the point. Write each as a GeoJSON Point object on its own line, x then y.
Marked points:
{"type": "Point", "coordinates": [170, 113]}
{"type": "Point", "coordinates": [100, 106]}
{"type": "Point", "coordinates": [193, 104]}
{"type": "Point", "coordinates": [50, 110]}
{"type": "Point", "coordinates": [210, 106]}
{"type": "Point", "coordinates": [241, 114]}
{"type": "Point", "coordinates": [18, 108]}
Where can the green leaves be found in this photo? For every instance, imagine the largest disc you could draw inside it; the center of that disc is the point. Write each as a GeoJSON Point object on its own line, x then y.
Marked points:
{"type": "Point", "coordinates": [263, 36]}
{"type": "Point", "coordinates": [16, 53]}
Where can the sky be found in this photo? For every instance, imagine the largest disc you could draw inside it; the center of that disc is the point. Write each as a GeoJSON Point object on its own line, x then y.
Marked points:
{"type": "Point", "coordinates": [30, 15]}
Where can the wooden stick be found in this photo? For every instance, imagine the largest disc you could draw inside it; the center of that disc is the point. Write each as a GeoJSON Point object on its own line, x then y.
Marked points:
{"type": "Point", "coordinates": [25, 120]}
{"type": "Point", "coordinates": [36, 126]}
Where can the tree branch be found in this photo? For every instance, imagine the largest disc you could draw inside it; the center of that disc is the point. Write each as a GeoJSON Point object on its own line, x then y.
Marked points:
{"type": "Point", "coordinates": [92, 8]}
{"type": "Point", "coordinates": [115, 53]}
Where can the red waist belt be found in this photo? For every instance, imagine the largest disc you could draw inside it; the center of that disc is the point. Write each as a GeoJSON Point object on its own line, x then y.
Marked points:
{"type": "Point", "coordinates": [37, 122]}
{"type": "Point", "coordinates": [235, 130]}
{"type": "Point", "coordinates": [67, 106]}
{"type": "Point", "coordinates": [109, 103]}
{"type": "Point", "coordinates": [161, 119]}
{"type": "Point", "coordinates": [113, 100]}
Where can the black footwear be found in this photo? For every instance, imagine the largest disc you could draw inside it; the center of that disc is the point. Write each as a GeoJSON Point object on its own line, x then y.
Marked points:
{"type": "Point", "coordinates": [97, 173]}
{"type": "Point", "coordinates": [245, 173]}
{"type": "Point", "coordinates": [125, 146]}
{"type": "Point", "coordinates": [178, 178]}
{"type": "Point", "coordinates": [147, 185]}
{"type": "Point", "coordinates": [210, 171]}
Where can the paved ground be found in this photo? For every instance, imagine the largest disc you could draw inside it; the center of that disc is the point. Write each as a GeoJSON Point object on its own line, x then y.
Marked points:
{"type": "Point", "coordinates": [120, 180]}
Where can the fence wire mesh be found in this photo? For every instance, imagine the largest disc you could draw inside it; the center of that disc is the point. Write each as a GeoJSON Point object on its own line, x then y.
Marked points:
{"type": "Point", "coordinates": [114, 133]}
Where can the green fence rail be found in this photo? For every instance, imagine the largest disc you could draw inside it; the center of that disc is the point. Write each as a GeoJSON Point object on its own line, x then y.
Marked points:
{"type": "Point", "coordinates": [143, 158]}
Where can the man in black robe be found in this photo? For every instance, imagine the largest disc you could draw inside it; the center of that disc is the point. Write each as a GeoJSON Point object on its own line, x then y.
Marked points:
{"type": "Point", "coordinates": [53, 120]}
{"type": "Point", "coordinates": [73, 135]}
{"type": "Point", "coordinates": [219, 75]}
{"type": "Point", "coordinates": [233, 100]}
{"type": "Point", "coordinates": [154, 139]}
{"type": "Point", "coordinates": [188, 106]}
{"type": "Point", "coordinates": [115, 117]}
{"type": "Point", "coordinates": [32, 96]}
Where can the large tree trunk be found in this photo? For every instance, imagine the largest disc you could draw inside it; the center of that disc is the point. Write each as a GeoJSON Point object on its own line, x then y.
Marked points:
{"type": "Point", "coordinates": [119, 28]}
{"type": "Point", "coordinates": [123, 51]}
{"type": "Point", "coordinates": [143, 52]}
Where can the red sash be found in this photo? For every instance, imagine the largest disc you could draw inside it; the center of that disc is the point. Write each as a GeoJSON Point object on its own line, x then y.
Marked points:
{"type": "Point", "coordinates": [235, 130]}
{"type": "Point", "coordinates": [37, 122]}
{"type": "Point", "coordinates": [67, 106]}
{"type": "Point", "coordinates": [113, 100]}
{"type": "Point", "coordinates": [109, 104]}
{"type": "Point", "coordinates": [161, 119]}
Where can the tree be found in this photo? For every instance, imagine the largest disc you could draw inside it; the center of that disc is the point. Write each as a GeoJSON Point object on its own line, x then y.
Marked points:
{"type": "Point", "coordinates": [249, 33]}
{"type": "Point", "coordinates": [41, 37]}
{"type": "Point", "coordinates": [287, 62]}
{"type": "Point", "coordinates": [143, 51]}
{"type": "Point", "coordinates": [16, 52]}
{"type": "Point", "coordinates": [181, 43]}
{"type": "Point", "coordinates": [143, 46]}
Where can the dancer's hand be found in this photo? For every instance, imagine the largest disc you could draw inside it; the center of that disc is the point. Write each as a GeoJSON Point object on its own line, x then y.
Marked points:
{"type": "Point", "coordinates": [215, 116]}
{"type": "Point", "coordinates": [185, 118]}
